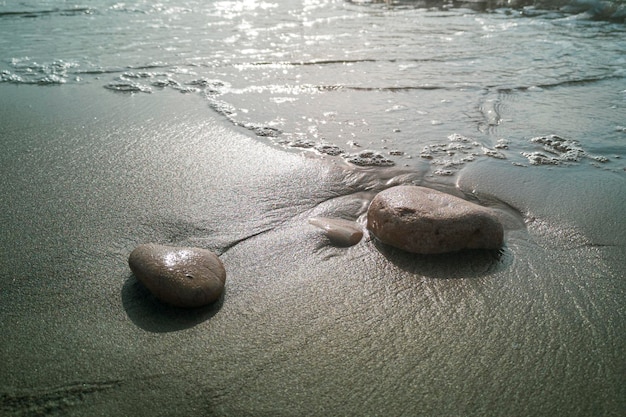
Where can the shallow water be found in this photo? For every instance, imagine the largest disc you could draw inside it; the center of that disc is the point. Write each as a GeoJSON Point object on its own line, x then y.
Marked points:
{"type": "Point", "coordinates": [377, 83]}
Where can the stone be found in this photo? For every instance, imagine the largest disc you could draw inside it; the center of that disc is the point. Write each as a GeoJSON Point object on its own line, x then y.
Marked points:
{"type": "Point", "coordinates": [180, 276]}
{"type": "Point", "coordinates": [339, 231]}
{"type": "Point", "coordinates": [425, 221]}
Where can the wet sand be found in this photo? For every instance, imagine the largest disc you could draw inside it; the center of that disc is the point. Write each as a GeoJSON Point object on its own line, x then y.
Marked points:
{"type": "Point", "coordinates": [303, 328]}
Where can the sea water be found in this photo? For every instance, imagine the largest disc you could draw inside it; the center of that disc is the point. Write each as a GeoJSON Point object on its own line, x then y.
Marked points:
{"type": "Point", "coordinates": [422, 85]}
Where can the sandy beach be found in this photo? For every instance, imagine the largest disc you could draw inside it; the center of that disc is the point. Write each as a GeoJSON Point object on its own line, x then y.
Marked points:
{"type": "Point", "coordinates": [303, 328]}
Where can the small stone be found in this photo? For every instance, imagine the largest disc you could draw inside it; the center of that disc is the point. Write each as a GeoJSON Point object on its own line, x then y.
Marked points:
{"type": "Point", "coordinates": [425, 221]}
{"type": "Point", "coordinates": [179, 276]}
{"type": "Point", "coordinates": [339, 231]}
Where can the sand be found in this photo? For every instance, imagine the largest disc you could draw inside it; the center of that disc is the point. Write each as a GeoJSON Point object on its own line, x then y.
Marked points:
{"type": "Point", "coordinates": [303, 328]}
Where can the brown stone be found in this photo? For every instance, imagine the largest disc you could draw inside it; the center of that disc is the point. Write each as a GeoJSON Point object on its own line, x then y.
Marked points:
{"type": "Point", "coordinates": [179, 276]}
{"type": "Point", "coordinates": [422, 220]}
{"type": "Point", "coordinates": [339, 231]}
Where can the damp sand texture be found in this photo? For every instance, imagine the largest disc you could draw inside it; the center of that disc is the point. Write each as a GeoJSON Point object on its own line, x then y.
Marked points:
{"type": "Point", "coordinates": [303, 328]}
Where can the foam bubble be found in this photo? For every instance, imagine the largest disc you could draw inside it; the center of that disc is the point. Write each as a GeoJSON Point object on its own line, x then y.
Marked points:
{"type": "Point", "coordinates": [8, 77]}
{"type": "Point", "coordinates": [329, 149]}
{"type": "Point", "coordinates": [502, 144]}
{"type": "Point", "coordinates": [558, 151]}
{"type": "Point", "coordinates": [264, 131]}
{"type": "Point", "coordinates": [539, 158]}
{"type": "Point", "coordinates": [368, 158]}
{"type": "Point", "coordinates": [458, 151]}
{"type": "Point", "coordinates": [27, 71]}
{"type": "Point", "coordinates": [443, 172]}
{"type": "Point", "coordinates": [493, 153]}
{"type": "Point", "coordinates": [211, 86]}
{"type": "Point", "coordinates": [297, 142]}
{"type": "Point", "coordinates": [168, 82]}
{"type": "Point", "coordinates": [128, 87]}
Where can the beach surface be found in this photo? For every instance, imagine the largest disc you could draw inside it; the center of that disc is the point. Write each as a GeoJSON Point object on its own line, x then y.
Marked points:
{"type": "Point", "coordinates": [303, 328]}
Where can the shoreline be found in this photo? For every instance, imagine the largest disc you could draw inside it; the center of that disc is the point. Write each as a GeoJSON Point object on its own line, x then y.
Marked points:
{"type": "Point", "coordinates": [303, 327]}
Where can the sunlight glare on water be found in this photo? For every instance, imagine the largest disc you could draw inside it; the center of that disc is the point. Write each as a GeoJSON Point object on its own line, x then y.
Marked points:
{"type": "Point", "coordinates": [376, 83]}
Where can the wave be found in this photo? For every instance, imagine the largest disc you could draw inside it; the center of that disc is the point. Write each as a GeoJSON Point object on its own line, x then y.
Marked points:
{"type": "Point", "coordinates": [610, 10]}
{"type": "Point", "coordinates": [40, 13]}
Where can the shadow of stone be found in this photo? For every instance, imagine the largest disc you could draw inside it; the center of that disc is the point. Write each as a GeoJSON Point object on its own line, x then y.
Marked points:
{"type": "Point", "coordinates": [472, 263]}
{"type": "Point", "coordinates": [154, 316]}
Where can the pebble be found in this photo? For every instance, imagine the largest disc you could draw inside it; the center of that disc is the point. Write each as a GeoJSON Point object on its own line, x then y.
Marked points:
{"type": "Point", "coordinates": [339, 231]}
{"type": "Point", "coordinates": [180, 276]}
{"type": "Point", "coordinates": [425, 221]}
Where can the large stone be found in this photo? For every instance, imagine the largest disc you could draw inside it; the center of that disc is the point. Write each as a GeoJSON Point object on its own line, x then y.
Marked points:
{"type": "Point", "coordinates": [425, 221]}
{"type": "Point", "coordinates": [179, 276]}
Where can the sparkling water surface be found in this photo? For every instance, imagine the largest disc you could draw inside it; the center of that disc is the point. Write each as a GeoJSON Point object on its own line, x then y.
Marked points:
{"type": "Point", "coordinates": [375, 83]}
